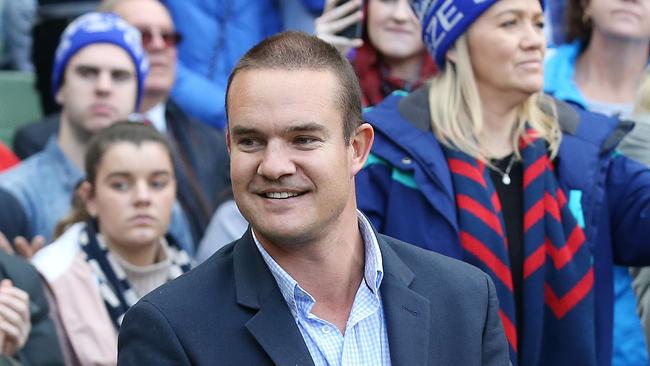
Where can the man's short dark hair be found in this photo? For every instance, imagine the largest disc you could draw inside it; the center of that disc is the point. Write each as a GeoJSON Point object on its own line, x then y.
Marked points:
{"type": "Point", "coordinates": [294, 51]}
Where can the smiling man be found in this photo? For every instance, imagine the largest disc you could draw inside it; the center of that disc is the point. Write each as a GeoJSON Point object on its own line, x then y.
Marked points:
{"type": "Point", "coordinates": [311, 282]}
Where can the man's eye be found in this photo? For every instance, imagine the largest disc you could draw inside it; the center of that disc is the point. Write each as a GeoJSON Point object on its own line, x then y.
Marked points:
{"type": "Point", "coordinates": [248, 143]}
{"type": "Point", "coordinates": [86, 72]}
{"type": "Point", "coordinates": [306, 140]}
{"type": "Point", "coordinates": [121, 75]}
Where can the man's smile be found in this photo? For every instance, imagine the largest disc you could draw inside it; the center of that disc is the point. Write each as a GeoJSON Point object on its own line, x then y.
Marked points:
{"type": "Point", "coordinates": [281, 195]}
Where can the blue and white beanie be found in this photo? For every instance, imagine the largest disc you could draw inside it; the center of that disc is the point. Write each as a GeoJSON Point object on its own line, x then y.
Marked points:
{"type": "Point", "coordinates": [444, 21]}
{"type": "Point", "coordinates": [95, 28]}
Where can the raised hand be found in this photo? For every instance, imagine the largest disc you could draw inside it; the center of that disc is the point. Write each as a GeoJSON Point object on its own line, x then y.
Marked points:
{"type": "Point", "coordinates": [335, 19]}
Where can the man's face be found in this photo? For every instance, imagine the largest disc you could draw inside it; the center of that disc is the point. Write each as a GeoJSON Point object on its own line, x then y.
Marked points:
{"type": "Point", "coordinates": [158, 39]}
{"type": "Point", "coordinates": [292, 173]}
{"type": "Point", "coordinates": [99, 88]}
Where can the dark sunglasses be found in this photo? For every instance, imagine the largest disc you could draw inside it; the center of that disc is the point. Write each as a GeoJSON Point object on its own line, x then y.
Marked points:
{"type": "Point", "coordinates": [171, 39]}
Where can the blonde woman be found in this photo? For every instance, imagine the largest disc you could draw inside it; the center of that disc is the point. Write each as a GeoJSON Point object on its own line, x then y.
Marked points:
{"type": "Point", "coordinates": [481, 167]}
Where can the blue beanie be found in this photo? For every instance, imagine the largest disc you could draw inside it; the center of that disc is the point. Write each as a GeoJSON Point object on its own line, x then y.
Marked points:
{"type": "Point", "coordinates": [95, 28]}
{"type": "Point", "coordinates": [444, 21]}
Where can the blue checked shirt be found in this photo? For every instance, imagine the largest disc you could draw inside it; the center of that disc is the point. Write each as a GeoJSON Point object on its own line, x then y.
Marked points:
{"type": "Point", "coordinates": [365, 341]}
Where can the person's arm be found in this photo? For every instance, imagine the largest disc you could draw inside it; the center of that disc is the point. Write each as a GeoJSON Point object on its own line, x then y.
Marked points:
{"type": "Point", "coordinates": [641, 287]}
{"type": "Point", "coordinates": [227, 225]}
{"type": "Point", "coordinates": [188, 86]}
{"type": "Point", "coordinates": [15, 323]}
{"type": "Point", "coordinates": [636, 144]}
{"type": "Point", "coordinates": [41, 346]}
{"type": "Point", "coordinates": [146, 338]}
{"type": "Point", "coordinates": [18, 19]}
{"type": "Point", "coordinates": [628, 196]}
{"type": "Point", "coordinates": [14, 228]}
{"type": "Point", "coordinates": [215, 36]}
{"type": "Point", "coordinates": [13, 220]}
{"type": "Point", "coordinates": [495, 346]}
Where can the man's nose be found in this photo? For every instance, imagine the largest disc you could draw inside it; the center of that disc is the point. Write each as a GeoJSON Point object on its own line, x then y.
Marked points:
{"type": "Point", "coordinates": [277, 161]}
{"type": "Point", "coordinates": [104, 82]}
{"type": "Point", "coordinates": [156, 41]}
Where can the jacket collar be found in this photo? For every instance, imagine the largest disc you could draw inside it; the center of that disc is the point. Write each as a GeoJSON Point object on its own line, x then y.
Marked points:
{"type": "Point", "coordinates": [411, 147]}
{"type": "Point", "coordinates": [272, 326]}
{"type": "Point", "coordinates": [586, 138]}
{"type": "Point", "coordinates": [406, 313]}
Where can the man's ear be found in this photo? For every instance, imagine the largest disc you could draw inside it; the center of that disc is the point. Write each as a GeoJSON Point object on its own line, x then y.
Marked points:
{"type": "Point", "coordinates": [361, 143]}
{"type": "Point", "coordinates": [85, 192]}
{"type": "Point", "coordinates": [228, 138]}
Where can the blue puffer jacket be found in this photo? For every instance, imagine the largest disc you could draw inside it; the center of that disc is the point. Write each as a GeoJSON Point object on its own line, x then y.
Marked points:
{"type": "Point", "coordinates": [215, 35]}
{"type": "Point", "coordinates": [629, 342]}
{"type": "Point", "coordinates": [406, 191]}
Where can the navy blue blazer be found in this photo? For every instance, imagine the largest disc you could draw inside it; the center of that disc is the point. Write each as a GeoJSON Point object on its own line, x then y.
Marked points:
{"type": "Point", "coordinates": [229, 310]}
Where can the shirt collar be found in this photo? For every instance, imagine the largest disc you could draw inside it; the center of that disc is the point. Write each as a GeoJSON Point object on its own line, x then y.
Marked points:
{"type": "Point", "coordinates": [291, 290]}
{"type": "Point", "coordinates": [157, 117]}
{"type": "Point", "coordinates": [374, 268]}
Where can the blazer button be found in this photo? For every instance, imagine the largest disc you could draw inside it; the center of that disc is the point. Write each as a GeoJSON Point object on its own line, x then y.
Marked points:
{"type": "Point", "coordinates": [407, 161]}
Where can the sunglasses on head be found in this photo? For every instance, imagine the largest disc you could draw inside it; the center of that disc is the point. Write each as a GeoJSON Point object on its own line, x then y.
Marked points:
{"type": "Point", "coordinates": [171, 39]}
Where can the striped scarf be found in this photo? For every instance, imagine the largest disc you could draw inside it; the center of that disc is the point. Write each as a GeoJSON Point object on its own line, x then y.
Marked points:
{"type": "Point", "coordinates": [558, 301]}
{"type": "Point", "coordinates": [114, 286]}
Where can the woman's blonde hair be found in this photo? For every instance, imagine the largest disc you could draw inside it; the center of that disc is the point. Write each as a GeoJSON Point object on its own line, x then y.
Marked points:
{"type": "Point", "coordinates": [456, 115]}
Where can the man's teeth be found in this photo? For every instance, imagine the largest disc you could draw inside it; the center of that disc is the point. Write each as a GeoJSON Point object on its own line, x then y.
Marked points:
{"type": "Point", "coordinates": [280, 194]}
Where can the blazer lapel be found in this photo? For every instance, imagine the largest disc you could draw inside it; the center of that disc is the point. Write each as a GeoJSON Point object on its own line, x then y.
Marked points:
{"type": "Point", "coordinates": [272, 326]}
{"type": "Point", "coordinates": [407, 313]}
